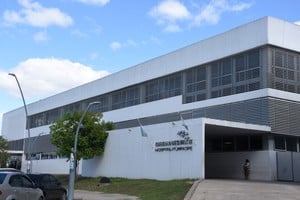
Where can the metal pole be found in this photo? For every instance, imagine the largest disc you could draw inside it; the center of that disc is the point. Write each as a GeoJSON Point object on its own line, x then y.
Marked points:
{"type": "Point", "coordinates": [29, 167]}
{"type": "Point", "coordinates": [73, 161]}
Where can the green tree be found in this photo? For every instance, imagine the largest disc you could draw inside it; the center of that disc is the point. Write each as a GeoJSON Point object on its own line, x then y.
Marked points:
{"type": "Point", "coordinates": [91, 138]}
{"type": "Point", "coordinates": [3, 152]}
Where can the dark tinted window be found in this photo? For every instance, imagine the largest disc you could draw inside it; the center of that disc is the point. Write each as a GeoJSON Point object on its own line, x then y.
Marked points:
{"type": "Point", "coordinates": [2, 177]}
{"type": "Point", "coordinates": [279, 143]}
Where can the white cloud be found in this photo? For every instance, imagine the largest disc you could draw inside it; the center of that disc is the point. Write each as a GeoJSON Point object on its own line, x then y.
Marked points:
{"type": "Point", "coordinates": [170, 10]}
{"type": "Point", "coordinates": [42, 77]}
{"type": "Point", "coordinates": [172, 28]}
{"type": "Point", "coordinates": [34, 14]}
{"type": "Point", "coordinates": [115, 45]}
{"type": "Point", "coordinates": [40, 36]}
{"type": "Point", "coordinates": [168, 13]}
{"type": "Point", "coordinates": [171, 14]}
{"type": "Point", "coordinates": [298, 23]}
{"type": "Point", "coordinates": [128, 43]}
{"type": "Point", "coordinates": [95, 2]}
{"type": "Point", "coordinates": [212, 12]}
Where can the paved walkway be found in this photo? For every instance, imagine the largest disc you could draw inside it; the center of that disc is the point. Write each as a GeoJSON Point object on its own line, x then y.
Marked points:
{"type": "Point", "coordinates": [86, 195]}
{"type": "Point", "coordinates": [218, 189]}
{"type": "Point", "coordinates": [211, 189]}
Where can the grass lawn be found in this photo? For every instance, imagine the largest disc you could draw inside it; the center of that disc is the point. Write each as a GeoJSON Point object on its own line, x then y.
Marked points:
{"type": "Point", "coordinates": [145, 189]}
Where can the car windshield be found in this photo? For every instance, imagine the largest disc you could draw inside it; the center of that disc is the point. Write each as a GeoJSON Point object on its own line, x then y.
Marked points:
{"type": "Point", "coordinates": [2, 177]}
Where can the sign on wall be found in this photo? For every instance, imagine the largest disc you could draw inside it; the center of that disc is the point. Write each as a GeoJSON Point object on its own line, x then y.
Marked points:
{"type": "Point", "coordinates": [183, 144]}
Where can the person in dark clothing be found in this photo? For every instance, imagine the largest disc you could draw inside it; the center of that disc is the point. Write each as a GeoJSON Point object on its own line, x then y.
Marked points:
{"type": "Point", "coordinates": [246, 169]}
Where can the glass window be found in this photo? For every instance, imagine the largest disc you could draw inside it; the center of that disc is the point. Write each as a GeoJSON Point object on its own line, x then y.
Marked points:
{"type": "Point", "coordinates": [253, 86]}
{"type": "Point", "coordinates": [242, 143]}
{"type": "Point", "coordinates": [279, 142]}
{"type": "Point", "coordinates": [227, 91]}
{"type": "Point", "coordinates": [291, 62]}
{"type": "Point", "coordinates": [228, 144]}
{"type": "Point", "coordinates": [216, 144]}
{"type": "Point", "coordinates": [201, 73]}
{"type": "Point", "coordinates": [215, 70]}
{"type": "Point", "coordinates": [226, 67]}
{"type": "Point", "coordinates": [278, 59]}
{"type": "Point", "coordinates": [226, 80]}
{"type": "Point", "coordinates": [291, 75]}
{"type": "Point", "coordinates": [256, 142]}
{"type": "Point", "coordinates": [215, 82]}
{"type": "Point", "coordinates": [253, 59]}
{"type": "Point", "coordinates": [291, 144]}
{"type": "Point", "coordinates": [2, 177]}
{"type": "Point", "coordinates": [201, 97]}
{"type": "Point", "coordinates": [165, 87]}
{"type": "Point", "coordinates": [239, 63]}
{"type": "Point", "coordinates": [240, 89]}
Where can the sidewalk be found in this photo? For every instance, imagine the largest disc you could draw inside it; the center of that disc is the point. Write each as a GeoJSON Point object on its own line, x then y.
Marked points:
{"type": "Point", "coordinates": [212, 189]}
{"type": "Point", "coordinates": [218, 189]}
{"type": "Point", "coordinates": [86, 195]}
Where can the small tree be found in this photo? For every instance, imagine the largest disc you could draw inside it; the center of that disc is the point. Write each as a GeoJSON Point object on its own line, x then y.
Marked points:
{"type": "Point", "coordinates": [91, 138]}
{"type": "Point", "coordinates": [3, 152]}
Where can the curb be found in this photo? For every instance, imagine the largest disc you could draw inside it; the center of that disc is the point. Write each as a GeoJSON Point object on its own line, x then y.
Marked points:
{"type": "Point", "coordinates": [190, 193]}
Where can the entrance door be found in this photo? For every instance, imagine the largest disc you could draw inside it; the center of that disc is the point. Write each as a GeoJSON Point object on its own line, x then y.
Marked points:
{"type": "Point", "coordinates": [296, 166]}
{"type": "Point", "coordinates": [284, 166]}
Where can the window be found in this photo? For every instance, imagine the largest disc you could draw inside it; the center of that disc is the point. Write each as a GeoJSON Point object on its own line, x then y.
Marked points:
{"type": "Point", "coordinates": [228, 144]}
{"type": "Point", "coordinates": [242, 143]}
{"type": "Point", "coordinates": [253, 86]}
{"type": "Point", "coordinates": [239, 63]}
{"type": "Point", "coordinates": [196, 84]}
{"type": "Point", "coordinates": [240, 89]}
{"type": "Point", "coordinates": [279, 59]}
{"type": "Point", "coordinates": [125, 98]}
{"type": "Point", "coordinates": [2, 177]}
{"type": "Point", "coordinates": [285, 73]}
{"type": "Point", "coordinates": [163, 88]}
{"type": "Point", "coordinates": [279, 142]}
{"type": "Point", "coordinates": [253, 59]}
{"type": "Point", "coordinates": [256, 142]}
{"type": "Point", "coordinates": [291, 144]}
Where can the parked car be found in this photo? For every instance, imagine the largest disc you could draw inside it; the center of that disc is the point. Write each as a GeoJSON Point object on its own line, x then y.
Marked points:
{"type": "Point", "coordinates": [52, 188]}
{"type": "Point", "coordinates": [10, 170]}
{"type": "Point", "coordinates": [16, 185]}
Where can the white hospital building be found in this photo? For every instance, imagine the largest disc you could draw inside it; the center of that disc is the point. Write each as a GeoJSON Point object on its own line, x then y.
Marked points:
{"type": "Point", "coordinates": [237, 93]}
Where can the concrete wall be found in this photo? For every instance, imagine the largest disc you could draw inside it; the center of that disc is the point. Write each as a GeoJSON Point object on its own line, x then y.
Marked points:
{"type": "Point", "coordinates": [230, 165]}
{"type": "Point", "coordinates": [128, 154]}
{"type": "Point", "coordinates": [52, 166]}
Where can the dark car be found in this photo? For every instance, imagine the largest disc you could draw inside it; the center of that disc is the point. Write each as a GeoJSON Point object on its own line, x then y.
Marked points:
{"type": "Point", "coordinates": [50, 185]}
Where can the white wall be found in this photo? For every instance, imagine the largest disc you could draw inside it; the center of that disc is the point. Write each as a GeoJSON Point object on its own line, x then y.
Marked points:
{"type": "Point", "coordinates": [128, 154]}
{"type": "Point", "coordinates": [52, 166]}
{"type": "Point", "coordinates": [230, 165]}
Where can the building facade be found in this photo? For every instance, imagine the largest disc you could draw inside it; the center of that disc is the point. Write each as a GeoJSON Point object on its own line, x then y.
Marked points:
{"type": "Point", "coordinates": [197, 112]}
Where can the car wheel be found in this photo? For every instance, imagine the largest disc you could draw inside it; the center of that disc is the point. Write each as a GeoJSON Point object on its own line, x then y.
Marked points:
{"type": "Point", "coordinates": [41, 198]}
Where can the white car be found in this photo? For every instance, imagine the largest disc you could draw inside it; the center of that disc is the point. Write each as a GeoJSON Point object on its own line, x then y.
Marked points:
{"type": "Point", "coordinates": [16, 185]}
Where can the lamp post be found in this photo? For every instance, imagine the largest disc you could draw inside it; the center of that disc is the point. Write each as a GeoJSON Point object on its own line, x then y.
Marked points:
{"type": "Point", "coordinates": [29, 167]}
{"type": "Point", "coordinates": [73, 158]}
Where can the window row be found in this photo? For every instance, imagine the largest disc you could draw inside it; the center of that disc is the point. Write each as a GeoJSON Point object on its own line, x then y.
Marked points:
{"type": "Point", "coordinates": [284, 143]}
{"type": "Point", "coordinates": [234, 143]}
{"type": "Point", "coordinates": [235, 74]}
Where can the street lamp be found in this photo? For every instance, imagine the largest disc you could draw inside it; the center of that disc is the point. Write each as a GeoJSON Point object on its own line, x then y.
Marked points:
{"type": "Point", "coordinates": [29, 167]}
{"type": "Point", "coordinates": [73, 161]}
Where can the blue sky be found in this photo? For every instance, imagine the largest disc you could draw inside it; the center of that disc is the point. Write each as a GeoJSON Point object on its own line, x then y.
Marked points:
{"type": "Point", "coordinates": [55, 45]}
